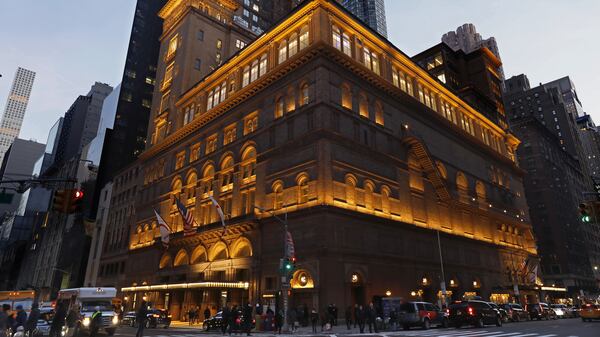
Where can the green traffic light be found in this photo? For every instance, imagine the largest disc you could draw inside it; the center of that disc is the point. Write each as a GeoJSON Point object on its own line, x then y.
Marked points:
{"type": "Point", "coordinates": [288, 266]}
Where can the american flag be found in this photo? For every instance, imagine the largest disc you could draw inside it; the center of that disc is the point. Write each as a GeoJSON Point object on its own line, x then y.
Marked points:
{"type": "Point", "coordinates": [188, 218]}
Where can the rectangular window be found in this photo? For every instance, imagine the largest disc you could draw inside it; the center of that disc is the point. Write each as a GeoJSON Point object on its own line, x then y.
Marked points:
{"type": "Point", "coordinates": [395, 78]}
{"type": "Point", "coordinates": [282, 51]}
{"type": "Point", "coordinates": [304, 39]}
{"type": "Point", "coordinates": [168, 75]}
{"type": "Point", "coordinates": [211, 144]}
{"type": "Point", "coordinates": [194, 152]}
{"type": "Point", "coordinates": [180, 160]}
{"type": "Point", "coordinates": [263, 65]}
{"type": "Point", "coordinates": [197, 64]}
{"type": "Point", "coordinates": [200, 35]}
{"type": "Point", "coordinates": [254, 71]}
{"type": "Point", "coordinates": [229, 134]}
{"type": "Point", "coordinates": [164, 101]}
{"type": "Point", "coordinates": [250, 123]}
{"type": "Point", "coordinates": [172, 46]}
{"type": "Point", "coordinates": [346, 44]}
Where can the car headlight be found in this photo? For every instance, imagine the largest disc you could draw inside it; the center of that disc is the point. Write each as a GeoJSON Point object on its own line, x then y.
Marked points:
{"type": "Point", "coordinates": [115, 320]}
{"type": "Point", "coordinates": [86, 321]}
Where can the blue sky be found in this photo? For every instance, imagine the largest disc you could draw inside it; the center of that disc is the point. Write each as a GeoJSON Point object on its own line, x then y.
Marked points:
{"type": "Point", "coordinates": [72, 43]}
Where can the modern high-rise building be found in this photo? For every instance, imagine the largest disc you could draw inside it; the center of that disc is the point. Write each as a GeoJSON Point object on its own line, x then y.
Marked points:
{"type": "Point", "coordinates": [371, 12]}
{"type": "Point", "coordinates": [467, 39]}
{"type": "Point", "coordinates": [567, 89]}
{"type": "Point", "coordinates": [551, 154]}
{"type": "Point", "coordinates": [15, 108]}
{"type": "Point", "coordinates": [323, 120]}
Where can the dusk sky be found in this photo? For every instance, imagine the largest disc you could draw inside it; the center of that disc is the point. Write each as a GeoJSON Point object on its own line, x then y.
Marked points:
{"type": "Point", "coordinates": [70, 44]}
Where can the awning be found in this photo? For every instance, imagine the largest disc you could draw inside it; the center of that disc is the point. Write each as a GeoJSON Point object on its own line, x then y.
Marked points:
{"type": "Point", "coordinates": [230, 285]}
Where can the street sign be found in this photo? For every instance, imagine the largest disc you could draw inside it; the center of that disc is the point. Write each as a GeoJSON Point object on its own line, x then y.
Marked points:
{"type": "Point", "coordinates": [6, 198]}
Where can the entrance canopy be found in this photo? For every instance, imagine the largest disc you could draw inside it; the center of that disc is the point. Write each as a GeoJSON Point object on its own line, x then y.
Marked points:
{"type": "Point", "coordinates": [231, 285]}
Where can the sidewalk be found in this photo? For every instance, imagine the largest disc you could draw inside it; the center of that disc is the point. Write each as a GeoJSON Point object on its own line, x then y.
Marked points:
{"type": "Point", "coordinates": [301, 331]}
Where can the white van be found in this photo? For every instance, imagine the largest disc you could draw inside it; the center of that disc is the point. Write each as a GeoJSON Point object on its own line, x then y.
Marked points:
{"type": "Point", "coordinates": [85, 300]}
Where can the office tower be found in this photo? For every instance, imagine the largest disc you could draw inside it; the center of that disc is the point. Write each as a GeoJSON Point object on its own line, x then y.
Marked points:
{"type": "Point", "coordinates": [371, 12]}
{"type": "Point", "coordinates": [15, 108]}
{"type": "Point", "coordinates": [551, 154]}
{"type": "Point", "coordinates": [567, 89]}
{"type": "Point", "coordinates": [324, 123]}
{"type": "Point", "coordinates": [467, 39]}
{"type": "Point", "coordinates": [474, 76]}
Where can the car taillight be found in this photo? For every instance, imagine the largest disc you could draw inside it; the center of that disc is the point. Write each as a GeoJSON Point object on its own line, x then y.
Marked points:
{"type": "Point", "coordinates": [470, 310]}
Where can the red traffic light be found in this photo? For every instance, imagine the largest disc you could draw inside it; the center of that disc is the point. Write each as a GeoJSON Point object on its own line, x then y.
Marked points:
{"type": "Point", "coordinates": [77, 194]}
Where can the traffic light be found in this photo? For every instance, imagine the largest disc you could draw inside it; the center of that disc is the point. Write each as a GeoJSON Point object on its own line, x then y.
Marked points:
{"type": "Point", "coordinates": [75, 198]}
{"type": "Point", "coordinates": [60, 202]}
{"type": "Point", "coordinates": [289, 265]}
{"type": "Point", "coordinates": [584, 212]}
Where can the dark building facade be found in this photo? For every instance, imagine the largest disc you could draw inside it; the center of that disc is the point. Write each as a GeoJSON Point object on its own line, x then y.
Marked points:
{"type": "Point", "coordinates": [475, 76]}
{"type": "Point", "coordinates": [366, 153]}
{"type": "Point", "coordinates": [554, 184]}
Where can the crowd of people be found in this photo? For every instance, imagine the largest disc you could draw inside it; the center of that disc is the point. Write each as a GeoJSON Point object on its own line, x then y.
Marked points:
{"type": "Point", "coordinates": [13, 321]}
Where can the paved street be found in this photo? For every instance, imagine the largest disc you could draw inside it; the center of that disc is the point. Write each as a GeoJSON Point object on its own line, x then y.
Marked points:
{"type": "Point", "coordinates": [560, 328]}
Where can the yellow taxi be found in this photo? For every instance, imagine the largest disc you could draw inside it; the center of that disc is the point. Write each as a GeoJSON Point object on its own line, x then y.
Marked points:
{"type": "Point", "coordinates": [589, 312]}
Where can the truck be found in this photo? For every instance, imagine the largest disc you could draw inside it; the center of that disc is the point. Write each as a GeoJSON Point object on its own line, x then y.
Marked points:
{"type": "Point", "coordinates": [24, 298]}
{"type": "Point", "coordinates": [84, 302]}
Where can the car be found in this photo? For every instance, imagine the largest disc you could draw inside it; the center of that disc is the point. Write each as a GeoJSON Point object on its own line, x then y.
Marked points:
{"type": "Point", "coordinates": [155, 318]}
{"type": "Point", "coordinates": [422, 314]}
{"type": "Point", "coordinates": [472, 312]}
{"type": "Point", "coordinates": [42, 328]}
{"type": "Point", "coordinates": [540, 311]}
{"type": "Point", "coordinates": [589, 312]}
{"type": "Point", "coordinates": [561, 311]}
{"type": "Point", "coordinates": [216, 322]}
{"type": "Point", "coordinates": [515, 312]}
{"type": "Point", "coordinates": [502, 311]}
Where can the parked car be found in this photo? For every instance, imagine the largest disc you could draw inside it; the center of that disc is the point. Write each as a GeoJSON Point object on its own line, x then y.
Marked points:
{"type": "Point", "coordinates": [502, 311]}
{"type": "Point", "coordinates": [216, 322]}
{"type": "Point", "coordinates": [515, 312]}
{"type": "Point", "coordinates": [540, 311]}
{"type": "Point", "coordinates": [589, 312]}
{"type": "Point", "coordinates": [477, 313]}
{"type": "Point", "coordinates": [155, 318]}
{"type": "Point", "coordinates": [42, 328]}
{"type": "Point", "coordinates": [422, 314]}
{"type": "Point", "coordinates": [562, 311]}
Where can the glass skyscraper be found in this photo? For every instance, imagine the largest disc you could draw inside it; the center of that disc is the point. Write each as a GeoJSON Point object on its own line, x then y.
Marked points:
{"type": "Point", "coordinates": [371, 12]}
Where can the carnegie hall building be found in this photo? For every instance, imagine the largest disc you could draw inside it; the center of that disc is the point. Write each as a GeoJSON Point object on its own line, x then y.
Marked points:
{"type": "Point", "coordinates": [325, 123]}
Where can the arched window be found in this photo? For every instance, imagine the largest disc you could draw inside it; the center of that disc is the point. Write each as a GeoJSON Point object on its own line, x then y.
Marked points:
{"type": "Point", "coordinates": [227, 173]}
{"type": "Point", "coordinates": [350, 189]}
{"type": "Point", "coordinates": [165, 261]}
{"type": "Point", "coordinates": [293, 45]}
{"type": "Point", "coordinates": [291, 99]}
{"type": "Point", "coordinates": [462, 186]}
{"type": "Point", "coordinates": [385, 199]}
{"type": "Point", "coordinates": [363, 105]}
{"type": "Point", "coordinates": [346, 96]}
{"type": "Point", "coordinates": [480, 190]}
{"type": "Point", "coordinates": [441, 169]}
{"type": "Point", "coordinates": [176, 187]}
{"type": "Point", "coordinates": [199, 255]}
{"type": "Point", "coordinates": [336, 36]}
{"type": "Point", "coordinates": [304, 98]}
{"type": "Point", "coordinates": [302, 181]}
{"type": "Point", "coordinates": [249, 163]}
{"type": "Point", "coordinates": [379, 113]}
{"type": "Point", "coordinates": [279, 106]}
{"type": "Point", "coordinates": [304, 37]}
{"type": "Point", "coordinates": [346, 44]}
{"type": "Point", "coordinates": [415, 173]}
{"type": "Point", "coordinates": [208, 176]}
{"type": "Point", "coordinates": [191, 184]}
{"type": "Point", "coordinates": [368, 190]}
{"type": "Point", "coordinates": [218, 252]}
{"type": "Point", "coordinates": [277, 195]}
{"type": "Point", "coordinates": [181, 258]}
{"type": "Point", "coordinates": [282, 51]}
{"type": "Point", "coordinates": [241, 248]}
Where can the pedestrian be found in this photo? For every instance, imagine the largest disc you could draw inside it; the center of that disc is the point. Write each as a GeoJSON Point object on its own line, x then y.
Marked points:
{"type": "Point", "coordinates": [355, 315]}
{"type": "Point", "coordinates": [20, 318]}
{"type": "Point", "coordinates": [225, 313]}
{"type": "Point", "coordinates": [197, 315]}
{"type": "Point", "coordinates": [4, 319]}
{"type": "Point", "coordinates": [72, 317]}
{"type": "Point", "coordinates": [58, 321]}
{"type": "Point", "coordinates": [141, 317]}
{"type": "Point", "coordinates": [349, 317]}
{"type": "Point", "coordinates": [234, 318]}
{"type": "Point", "coordinates": [292, 317]}
{"type": "Point", "coordinates": [393, 319]}
{"type": "Point", "coordinates": [372, 318]}
{"type": "Point", "coordinates": [190, 316]}
{"type": "Point", "coordinates": [279, 321]}
{"type": "Point", "coordinates": [334, 312]}
{"type": "Point", "coordinates": [360, 317]}
{"type": "Point", "coordinates": [206, 313]}
{"type": "Point", "coordinates": [305, 315]}
{"type": "Point", "coordinates": [96, 322]}
{"type": "Point", "coordinates": [248, 318]}
{"type": "Point", "coordinates": [31, 323]}
{"type": "Point", "coordinates": [314, 318]}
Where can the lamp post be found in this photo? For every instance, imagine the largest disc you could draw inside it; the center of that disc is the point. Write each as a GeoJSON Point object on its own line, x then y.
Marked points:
{"type": "Point", "coordinates": [285, 284]}
{"type": "Point", "coordinates": [443, 280]}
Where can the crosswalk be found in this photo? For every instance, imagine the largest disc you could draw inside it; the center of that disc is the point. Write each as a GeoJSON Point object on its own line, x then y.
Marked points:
{"type": "Point", "coordinates": [467, 333]}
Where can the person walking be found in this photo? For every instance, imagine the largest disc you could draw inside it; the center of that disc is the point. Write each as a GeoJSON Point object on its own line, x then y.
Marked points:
{"type": "Point", "coordinates": [334, 312]}
{"type": "Point", "coordinates": [58, 321]}
{"type": "Point", "coordinates": [31, 323]}
{"type": "Point", "coordinates": [225, 313]}
{"type": "Point", "coordinates": [206, 313]}
{"type": "Point", "coordinates": [191, 316]}
{"type": "Point", "coordinates": [96, 322]}
{"type": "Point", "coordinates": [141, 317]}
{"type": "Point", "coordinates": [360, 317]}
{"type": "Point", "coordinates": [20, 318]}
{"type": "Point", "coordinates": [314, 319]}
{"type": "Point", "coordinates": [279, 321]}
{"type": "Point", "coordinates": [4, 319]}
{"type": "Point", "coordinates": [349, 317]}
{"type": "Point", "coordinates": [292, 316]}
{"type": "Point", "coordinates": [355, 312]}
{"type": "Point", "coordinates": [372, 318]}
{"type": "Point", "coordinates": [248, 318]}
